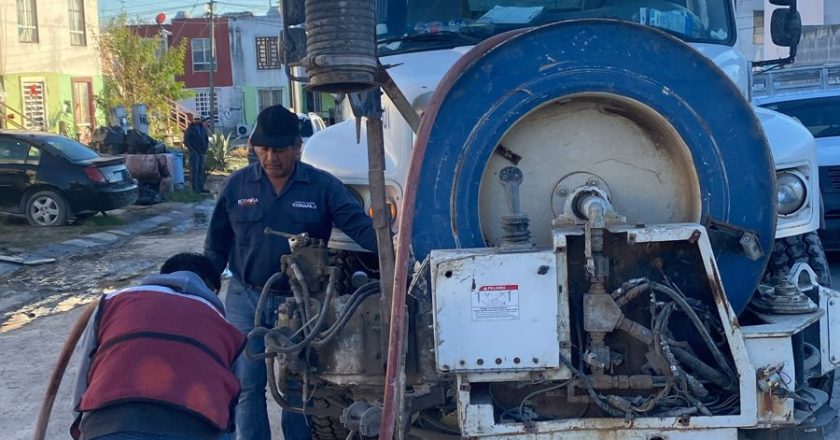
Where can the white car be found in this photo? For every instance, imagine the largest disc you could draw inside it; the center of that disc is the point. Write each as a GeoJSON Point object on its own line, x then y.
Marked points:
{"type": "Point", "coordinates": [812, 96]}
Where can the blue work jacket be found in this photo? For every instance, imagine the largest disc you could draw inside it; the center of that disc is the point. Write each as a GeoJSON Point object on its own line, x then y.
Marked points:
{"type": "Point", "coordinates": [311, 201]}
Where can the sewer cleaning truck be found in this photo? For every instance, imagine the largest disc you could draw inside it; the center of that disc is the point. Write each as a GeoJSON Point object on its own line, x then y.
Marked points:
{"type": "Point", "coordinates": [597, 236]}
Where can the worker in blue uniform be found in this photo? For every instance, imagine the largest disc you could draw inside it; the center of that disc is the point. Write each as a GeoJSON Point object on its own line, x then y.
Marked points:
{"type": "Point", "coordinates": [282, 193]}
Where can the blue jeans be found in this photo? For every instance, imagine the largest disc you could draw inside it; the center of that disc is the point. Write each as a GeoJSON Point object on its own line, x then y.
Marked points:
{"type": "Point", "coordinates": [251, 413]}
{"type": "Point", "coordinates": [197, 171]}
{"type": "Point", "coordinates": [141, 436]}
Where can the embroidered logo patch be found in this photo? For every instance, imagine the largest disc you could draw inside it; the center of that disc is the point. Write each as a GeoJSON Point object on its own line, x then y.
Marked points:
{"type": "Point", "coordinates": [247, 202]}
{"type": "Point", "coordinates": [304, 205]}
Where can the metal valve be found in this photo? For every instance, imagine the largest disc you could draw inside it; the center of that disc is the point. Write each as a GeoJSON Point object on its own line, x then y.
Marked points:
{"type": "Point", "coordinates": [516, 235]}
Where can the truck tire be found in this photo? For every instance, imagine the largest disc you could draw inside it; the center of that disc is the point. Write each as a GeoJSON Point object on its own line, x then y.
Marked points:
{"type": "Point", "coordinates": [485, 100]}
{"type": "Point", "coordinates": [326, 428]}
{"type": "Point", "coordinates": [806, 248]}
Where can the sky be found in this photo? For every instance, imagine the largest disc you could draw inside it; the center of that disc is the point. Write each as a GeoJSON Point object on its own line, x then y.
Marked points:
{"type": "Point", "coordinates": [145, 10]}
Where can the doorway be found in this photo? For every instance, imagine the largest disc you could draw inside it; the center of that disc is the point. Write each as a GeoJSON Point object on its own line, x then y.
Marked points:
{"type": "Point", "coordinates": [83, 109]}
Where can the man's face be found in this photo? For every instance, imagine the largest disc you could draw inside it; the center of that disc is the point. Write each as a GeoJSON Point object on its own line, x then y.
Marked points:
{"type": "Point", "coordinates": [278, 162]}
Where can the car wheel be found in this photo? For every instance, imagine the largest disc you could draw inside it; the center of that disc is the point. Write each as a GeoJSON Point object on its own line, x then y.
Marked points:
{"type": "Point", "coordinates": [46, 208]}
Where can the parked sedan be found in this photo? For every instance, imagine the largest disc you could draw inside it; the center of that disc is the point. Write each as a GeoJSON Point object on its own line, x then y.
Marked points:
{"type": "Point", "coordinates": [49, 178]}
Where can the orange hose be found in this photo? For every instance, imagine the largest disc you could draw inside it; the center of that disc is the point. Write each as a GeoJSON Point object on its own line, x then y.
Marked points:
{"type": "Point", "coordinates": [59, 370]}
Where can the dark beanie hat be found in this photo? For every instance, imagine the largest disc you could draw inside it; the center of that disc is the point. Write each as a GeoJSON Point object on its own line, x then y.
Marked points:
{"type": "Point", "coordinates": [276, 128]}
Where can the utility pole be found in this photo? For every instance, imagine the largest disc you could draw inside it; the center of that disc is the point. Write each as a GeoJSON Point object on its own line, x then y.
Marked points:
{"type": "Point", "coordinates": [212, 68]}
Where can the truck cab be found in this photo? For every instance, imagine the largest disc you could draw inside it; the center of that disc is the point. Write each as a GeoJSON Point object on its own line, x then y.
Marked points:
{"type": "Point", "coordinates": [811, 95]}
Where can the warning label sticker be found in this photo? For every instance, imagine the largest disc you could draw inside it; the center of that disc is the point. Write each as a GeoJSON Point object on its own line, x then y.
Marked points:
{"type": "Point", "coordinates": [495, 303]}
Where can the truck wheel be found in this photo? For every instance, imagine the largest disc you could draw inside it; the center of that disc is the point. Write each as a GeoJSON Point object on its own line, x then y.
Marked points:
{"type": "Point", "coordinates": [326, 428]}
{"type": "Point", "coordinates": [806, 248]}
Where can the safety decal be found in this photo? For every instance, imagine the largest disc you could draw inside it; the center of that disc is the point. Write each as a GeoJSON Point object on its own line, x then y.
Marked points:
{"type": "Point", "coordinates": [495, 303]}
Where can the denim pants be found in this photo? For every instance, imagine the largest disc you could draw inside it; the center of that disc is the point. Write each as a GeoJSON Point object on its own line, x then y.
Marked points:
{"type": "Point", "coordinates": [197, 171]}
{"type": "Point", "coordinates": [251, 413]}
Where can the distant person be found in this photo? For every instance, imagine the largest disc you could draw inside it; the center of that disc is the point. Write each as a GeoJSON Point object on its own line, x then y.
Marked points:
{"type": "Point", "coordinates": [158, 359]}
{"type": "Point", "coordinates": [197, 142]}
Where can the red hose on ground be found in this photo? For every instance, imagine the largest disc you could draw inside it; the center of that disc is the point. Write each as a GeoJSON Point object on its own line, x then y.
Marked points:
{"type": "Point", "coordinates": [58, 372]}
{"type": "Point", "coordinates": [395, 359]}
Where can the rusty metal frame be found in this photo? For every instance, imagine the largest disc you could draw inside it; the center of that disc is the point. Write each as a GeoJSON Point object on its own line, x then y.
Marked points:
{"type": "Point", "coordinates": [477, 420]}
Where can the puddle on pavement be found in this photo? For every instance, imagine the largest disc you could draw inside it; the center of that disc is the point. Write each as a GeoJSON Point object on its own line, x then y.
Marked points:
{"type": "Point", "coordinates": [43, 308]}
{"type": "Point", "coordinates": [49, 289]}
{"type": "Point", "coordinates": [69, 284]}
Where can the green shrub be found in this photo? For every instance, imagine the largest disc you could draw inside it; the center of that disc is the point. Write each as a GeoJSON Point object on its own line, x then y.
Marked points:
{"type": "Point", "coordinates": [217, 154]}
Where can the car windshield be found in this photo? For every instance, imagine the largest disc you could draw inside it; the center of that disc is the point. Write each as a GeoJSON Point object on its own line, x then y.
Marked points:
{"type": "Point", "coordinates": [74, 151]}
{"type": "Point", "coordinates": [819, 115]}
{"type": "Point", "coordinates": [417, 25]}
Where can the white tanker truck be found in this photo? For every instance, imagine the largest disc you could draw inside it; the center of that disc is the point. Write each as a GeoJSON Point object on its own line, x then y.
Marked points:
{"type": "Point", "coordinates": [606, 240]}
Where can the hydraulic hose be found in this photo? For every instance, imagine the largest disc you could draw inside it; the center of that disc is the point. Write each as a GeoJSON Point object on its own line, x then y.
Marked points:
{"type": "Point", "coordinates": [354, 304]}
{"type": "Point", "coordinates": [275, 341]}
{"type": "Point", "coordinates": [260, 310]}
{"type": "Point", "coordinates": [281, 401]}
{"type": "Point", "coordinates": [303, 292]}
{"type": "Point", "coordinates": [698, 324]}
{"type": "Point", "coordinates": [59, 370]}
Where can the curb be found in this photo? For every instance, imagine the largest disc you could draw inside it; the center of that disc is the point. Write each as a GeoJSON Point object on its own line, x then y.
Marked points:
{"type": "Point", "coordinates": [88, 242]}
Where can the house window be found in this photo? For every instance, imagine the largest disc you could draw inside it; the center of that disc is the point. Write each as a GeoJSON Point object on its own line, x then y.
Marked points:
{"type": "Point", "coordinates": [202, 105]}
{"type": "Point", "coordinates": [27, 21]}
{"type": "Point", "coordinates": [268, 53]}
{"type": "Point", "coordinates": [758, 28]}
{"type": "Point", "coordinates": [201, 54]}
{"type": "Point", "coordinates": [77, 23]}
{"type": "Point", "coordinates": [269, 97]}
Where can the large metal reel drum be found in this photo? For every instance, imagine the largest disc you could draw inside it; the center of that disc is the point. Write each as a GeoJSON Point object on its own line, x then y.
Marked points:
{"type": "Point", "coordinates": [629, 107]}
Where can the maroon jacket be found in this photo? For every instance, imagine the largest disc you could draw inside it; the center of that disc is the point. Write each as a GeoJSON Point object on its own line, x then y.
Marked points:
{"type": "Point", "coordinates": [158, 345]}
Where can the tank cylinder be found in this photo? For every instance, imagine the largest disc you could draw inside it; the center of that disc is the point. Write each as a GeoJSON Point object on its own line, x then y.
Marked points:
{"type": "Point", "coordinates": [340, 45]}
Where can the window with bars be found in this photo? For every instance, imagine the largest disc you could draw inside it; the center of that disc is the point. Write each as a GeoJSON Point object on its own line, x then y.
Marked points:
{"type": "Point", "coordinates": [77, 23]}
{"type": "Point", "coordinates": [201, 54]}
{"type": "Point", "coordinates": [268, 53]}
{"type": "Point", "coordinates": [269, 97]}
{"type": "Point", "coordinates": [202, 105]}
{"type": "Point", "coordinates": [34, 105]}
{"type": "Point", "coordinates": [27, 23]}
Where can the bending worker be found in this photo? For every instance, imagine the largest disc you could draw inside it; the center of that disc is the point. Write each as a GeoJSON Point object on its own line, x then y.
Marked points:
{"type": "Point", "coordinates": [280, 192]}
{"type": "Point", "coordinates": [159, 359]}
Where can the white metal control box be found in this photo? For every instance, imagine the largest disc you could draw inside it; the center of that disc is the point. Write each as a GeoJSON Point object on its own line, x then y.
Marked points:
{"type": "Point", "coordinates": [498, 312]}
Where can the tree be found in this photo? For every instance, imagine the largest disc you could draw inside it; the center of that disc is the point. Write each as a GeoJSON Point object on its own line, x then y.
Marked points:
{"type": "Point", "coordinates": [136, 71]}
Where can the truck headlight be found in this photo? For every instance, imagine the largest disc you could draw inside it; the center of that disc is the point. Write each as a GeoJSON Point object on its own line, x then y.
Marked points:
{"type": "Point", "coordinates": [791, 192]}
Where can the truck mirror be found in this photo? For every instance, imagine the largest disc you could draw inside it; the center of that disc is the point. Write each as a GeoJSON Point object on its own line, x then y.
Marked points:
{"type": "Point", "coordinates": [293, 35]}
{"type": "Point", "coordinates": [785, 27]}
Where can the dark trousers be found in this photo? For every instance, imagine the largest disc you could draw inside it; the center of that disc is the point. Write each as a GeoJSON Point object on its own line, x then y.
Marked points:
{"type": "Point", "coordinates": [197, 171]}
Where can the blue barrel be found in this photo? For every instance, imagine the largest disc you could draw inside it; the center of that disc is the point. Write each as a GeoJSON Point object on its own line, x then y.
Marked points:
{"type": "Point", "coordinates": [178, 171]}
